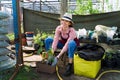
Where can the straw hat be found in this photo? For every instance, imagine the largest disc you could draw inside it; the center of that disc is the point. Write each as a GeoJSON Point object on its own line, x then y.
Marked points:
{"type": "Point", "coordinates": [67, 16]}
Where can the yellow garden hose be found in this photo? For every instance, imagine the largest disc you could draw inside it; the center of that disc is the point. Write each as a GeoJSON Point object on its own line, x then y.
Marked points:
{"type": "Point", "coordinates": [60, 78]}
{"type": "Point", "coordinates": [98, 78]}
{"type": "Point", "coordinates": [28, 55]}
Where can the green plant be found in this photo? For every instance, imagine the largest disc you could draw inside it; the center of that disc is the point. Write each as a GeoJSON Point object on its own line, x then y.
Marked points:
{"type": "Point", "coordinates": [10, 36]}
{"type": "Point", "coordinates": [36, 37]}
{"type": "Point", "coordinates": [110, 54]}
{"type": "Point", "coordinates": [110, 58]}
{"type": "Point", "coordinates": [85, 7]}
{"type": "Point", "coordinates": [26, 73]}
{"type": "Point", "coordinates": [39, 40]}
{"type": "Point", "coordinates": [6, 74]}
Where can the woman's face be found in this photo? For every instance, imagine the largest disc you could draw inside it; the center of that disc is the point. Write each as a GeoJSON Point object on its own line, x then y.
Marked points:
{"type": "Point", "coordinates": [65, 23]}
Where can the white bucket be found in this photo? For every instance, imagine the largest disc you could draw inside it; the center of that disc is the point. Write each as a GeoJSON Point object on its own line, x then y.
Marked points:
{"type": "Point", "coordinates": [29, 41]}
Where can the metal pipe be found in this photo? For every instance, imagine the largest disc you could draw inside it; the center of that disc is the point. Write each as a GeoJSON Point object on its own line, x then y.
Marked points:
{"type": "Point", "coordinates": [17, 31]}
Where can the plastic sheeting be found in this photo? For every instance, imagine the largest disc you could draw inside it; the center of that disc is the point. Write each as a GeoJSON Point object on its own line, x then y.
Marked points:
{"type": "Point", "coordinates": [3, 15]}
{"type": "Point", "coordinates": [3, 44]}
{"type": "Point", "coordinates": [4, 23]}
{"type": "Point", "coordinates": [47, 22]}
{"type": "Point", "coordinates": [5, 61]}
{"type": "Point", "coordinates": [3, 37]}
{"type": "Point", "coordinates": [4, 51]}
{"type": "Point", "coordinates": [3, 31]}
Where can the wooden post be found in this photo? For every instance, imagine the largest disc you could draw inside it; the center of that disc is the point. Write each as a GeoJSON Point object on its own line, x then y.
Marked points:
{"type": "Point", "coordinates": [103, 6]}
{"type": "Point", "coordinates": [17, 31]}
{"type": "Point", "coordinates": [64, 7]}
{"type": "Point", "coordinates": [40, 6]}
{"type": "Point", "coordinates": [0, 5]}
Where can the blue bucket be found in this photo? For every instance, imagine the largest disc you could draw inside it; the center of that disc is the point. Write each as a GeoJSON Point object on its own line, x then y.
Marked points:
{"type": "Point", "coordinates": [29, 34]}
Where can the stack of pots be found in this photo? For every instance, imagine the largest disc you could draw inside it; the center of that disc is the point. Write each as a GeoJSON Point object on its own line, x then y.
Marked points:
{"type": "Point", "coordinates": [29, 38]}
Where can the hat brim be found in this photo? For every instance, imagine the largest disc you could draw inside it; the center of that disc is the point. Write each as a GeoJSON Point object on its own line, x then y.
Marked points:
{"type": "Point", "coordinates": [66, 19]}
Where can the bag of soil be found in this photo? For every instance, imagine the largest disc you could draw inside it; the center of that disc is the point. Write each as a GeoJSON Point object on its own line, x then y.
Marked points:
{"type": "Point", "coordinates": [91, 52]}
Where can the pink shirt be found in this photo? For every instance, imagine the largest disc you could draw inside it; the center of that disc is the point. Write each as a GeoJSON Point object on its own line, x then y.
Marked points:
{"type": "Point", "coordinates": [58, 33]}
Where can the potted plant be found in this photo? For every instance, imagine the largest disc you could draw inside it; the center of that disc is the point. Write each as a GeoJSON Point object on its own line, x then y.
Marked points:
{"type": "Point", "coordinates": [39, 41]}
{"type": "Point", "coordinates": [118, 59]}
{"type": "Point", "coordinates": [11, 38]}
{"type": "Point", "coordinates": [45, 64]}
{"type": "Point", "coordinates": [110, 59]}
{"type": "Point", "coordinates": [24, 43]}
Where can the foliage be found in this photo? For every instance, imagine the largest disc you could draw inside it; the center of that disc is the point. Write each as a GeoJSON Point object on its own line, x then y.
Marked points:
{"type": "Point", "coordinates": [50, 59]}
{"type": "Point", "coordinates": [6, 74]}
{"type": "Point", "coordinates": [26, 73]}
{"type": "Point", "coordinates": [41, 36]}
{"type": "Point", "coordinates": [48, 56]}
{"type": "Point", "coordinates": [10, 36]}
{"type": "Point", "coordinates": [39, 39]}
{"type": "Point", "coordinates": [110, 54]}
{"type": "Point", "coordinates": [85, 7]}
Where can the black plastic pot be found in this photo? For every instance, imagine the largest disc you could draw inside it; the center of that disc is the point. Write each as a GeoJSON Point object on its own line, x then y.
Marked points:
{"type": "Point", "coordinates": [36, 46]}
{"type": "Point", "coordinates": [118, 60]}
{"type": "Point", "coordinates": [110, 63]}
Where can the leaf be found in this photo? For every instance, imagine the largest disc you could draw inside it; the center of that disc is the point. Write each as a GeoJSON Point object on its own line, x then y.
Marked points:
{"type": "Point", "coordinates": [39, 50]}
{"type": "Point", "coordinates": [50, 52]}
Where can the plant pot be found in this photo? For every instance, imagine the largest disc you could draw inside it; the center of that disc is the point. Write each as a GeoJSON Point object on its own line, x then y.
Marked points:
{"type": "Point", "coordinates": [118, 62]}
{"type": "Point", "coordinates": [36, 46]}
{"type": "Point", "coordinates": [45, 68]}
{"type": "Point", "coordinates": [29, 34]}
{"type": "Point", "coordinates": [24, 43]}
{"type": "Point", "coordinates": [12, 42]}
{"type": "Point", "coordinates": [110, 63]}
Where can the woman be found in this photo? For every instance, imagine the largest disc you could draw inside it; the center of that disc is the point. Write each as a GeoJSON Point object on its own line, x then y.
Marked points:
{"type": "Point", "coordinates": [65, 39]}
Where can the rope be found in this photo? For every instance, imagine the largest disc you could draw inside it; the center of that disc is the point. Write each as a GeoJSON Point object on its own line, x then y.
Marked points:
{"type": "Point", "coordinates": [60, 78]}
{"type": "Point", "coordinates": [98, 78]}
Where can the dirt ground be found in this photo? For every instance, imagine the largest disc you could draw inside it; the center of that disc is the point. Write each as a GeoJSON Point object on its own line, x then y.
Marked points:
{"type": "Point", "coordinates": [54, 76]}
{"type": "Point", "coordinates": [30, 59]}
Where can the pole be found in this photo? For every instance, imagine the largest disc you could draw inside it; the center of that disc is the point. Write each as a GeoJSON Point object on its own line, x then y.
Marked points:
{"type": "Point", "coordinates": [40, 5]}
{"type": "Point", "coordinates": [0, 5]}
{"type": "Point", "coordinates": [17, 31]}
{"type": "Point", "coordinates": [64, 7]}
{"type": "Point", "coordinates": [103, 6]}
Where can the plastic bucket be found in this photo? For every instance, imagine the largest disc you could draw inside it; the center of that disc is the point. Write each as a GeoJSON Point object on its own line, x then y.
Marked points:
{"type": "Point", "coordinates": [29, 38]}
{"type": "Point", "coordinates": [29, 34]}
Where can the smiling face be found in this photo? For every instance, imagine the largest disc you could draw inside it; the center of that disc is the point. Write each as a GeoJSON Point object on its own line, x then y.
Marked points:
{"type": "Point", "coordinates": [65, 24]}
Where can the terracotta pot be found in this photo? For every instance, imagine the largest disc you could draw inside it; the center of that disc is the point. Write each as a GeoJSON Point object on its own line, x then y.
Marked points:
{"type": "Point", "coordinates": [24, 42]}
{"type": "Point", "coordinates": [12, 42]}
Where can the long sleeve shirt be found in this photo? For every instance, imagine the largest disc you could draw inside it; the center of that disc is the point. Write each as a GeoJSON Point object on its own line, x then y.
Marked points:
{"type": "Point", "coordinates": [69, 34]}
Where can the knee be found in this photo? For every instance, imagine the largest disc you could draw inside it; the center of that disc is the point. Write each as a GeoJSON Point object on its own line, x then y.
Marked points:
{"type": "Point", "coordinates": [48, 40]}
{"type": "Point", "coordinates": [71, 43]}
